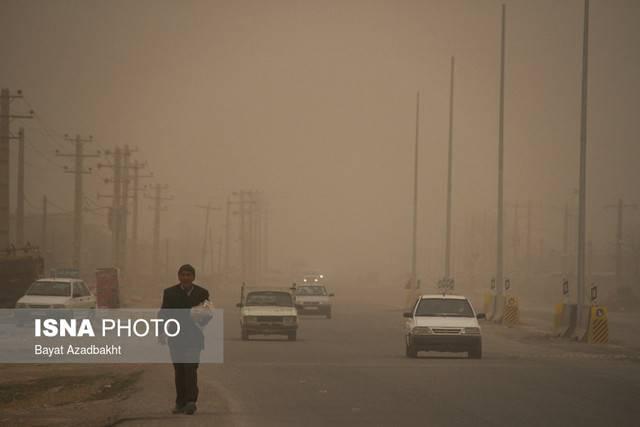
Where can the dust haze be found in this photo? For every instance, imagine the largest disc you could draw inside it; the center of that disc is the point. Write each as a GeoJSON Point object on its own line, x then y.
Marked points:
{"type": "Point", "coordinates": [313, 105]}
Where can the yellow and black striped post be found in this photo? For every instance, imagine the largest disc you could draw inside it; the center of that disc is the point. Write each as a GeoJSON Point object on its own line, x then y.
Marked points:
{"type": "Point", "coordinates": [598, 325]}
{"type": "Point", "coordinates": [511, 311]}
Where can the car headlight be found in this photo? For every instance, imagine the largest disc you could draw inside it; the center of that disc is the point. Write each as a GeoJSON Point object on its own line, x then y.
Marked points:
{"type": "Point", "coordinates": [472, 331]}
{"type": "Point", "coordinates": [21, 305]}
{"type": "Point", "coordinates": [250, 319]}
{"type": "Point", "coordinates": [421, 330]}
{"type": "Point", "coordinates": [289, 320]}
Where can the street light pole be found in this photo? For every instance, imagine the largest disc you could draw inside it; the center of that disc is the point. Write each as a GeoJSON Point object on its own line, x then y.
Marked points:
{"type": "Point", "coordinates": [413, 281]}
{"type": "Point", "coordinates": [447, 257]}
{"type": "Point", "coordinates": [500, 225]}
{"type": "Point", "coordinates": [582, 191]}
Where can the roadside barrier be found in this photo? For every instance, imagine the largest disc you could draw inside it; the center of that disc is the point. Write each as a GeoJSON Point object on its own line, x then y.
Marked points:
{"type": "Point", "coordinates": [511, 311]}
{"type": "Point", "coordinates": [558, 311]}
{"type": "Point", "coordinates": [565, 317]}
{"type": "Point", "coordinates": [581, 329]}
{"type": "Point", "coordinates": [489, 305]}
{"type": "Point", "coordinates": [499, 309]}
{"type": "Point", "coordinates": [598, 325]}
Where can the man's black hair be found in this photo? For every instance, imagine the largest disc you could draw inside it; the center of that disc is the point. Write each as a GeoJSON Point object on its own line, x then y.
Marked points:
{"type": "Point", "coordinates": [187, 267]}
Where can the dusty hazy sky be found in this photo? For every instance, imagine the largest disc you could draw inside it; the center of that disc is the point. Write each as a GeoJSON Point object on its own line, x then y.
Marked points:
{"type": "Point", "coordinates": [313, 103]}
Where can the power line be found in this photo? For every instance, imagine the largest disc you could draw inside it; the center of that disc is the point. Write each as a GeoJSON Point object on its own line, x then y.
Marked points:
{"type": "Point", "coordinates": [55, 205]}
{"type": "Point", "coordinates": [44, 156]}
{"type": "Point", "coordinates": [38, 208]}
{"type": "Point", "coordinates": [28, 202]}
{"type": "Point", "coordinates": [46, 129]}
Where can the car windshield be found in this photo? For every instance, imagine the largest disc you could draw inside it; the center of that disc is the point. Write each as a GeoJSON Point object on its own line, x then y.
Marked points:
{"type": "Point", "coordinates": [50, 289]}
{"type": "Point", "coordinates": [281, 299]}
{"type": "Point", "coordinates": [439, 307]}
{"type": "Point", "coordinates": [311, 291]}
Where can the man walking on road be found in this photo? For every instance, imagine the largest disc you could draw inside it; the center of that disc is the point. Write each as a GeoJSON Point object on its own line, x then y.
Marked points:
{"type": "Point", "coordinates": [185, 348]}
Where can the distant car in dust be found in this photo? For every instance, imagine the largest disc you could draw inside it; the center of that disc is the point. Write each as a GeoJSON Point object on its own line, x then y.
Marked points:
{"type": "Point", "coordinates": [312, 278]}
{"type": "Point", "coordinates": [313, 299]}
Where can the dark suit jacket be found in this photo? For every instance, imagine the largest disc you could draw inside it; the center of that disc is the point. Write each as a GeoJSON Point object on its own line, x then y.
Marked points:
{"type": "Point", "coordinates": [175, 297]}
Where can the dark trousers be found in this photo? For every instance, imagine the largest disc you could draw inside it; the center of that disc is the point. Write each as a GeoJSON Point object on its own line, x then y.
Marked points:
{"type": "Point", "coordinates": [186, 378]}
{"type": "Point", "coordinates": [186, 374]}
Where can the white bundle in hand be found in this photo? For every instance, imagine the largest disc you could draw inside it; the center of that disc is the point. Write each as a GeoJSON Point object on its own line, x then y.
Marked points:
{"type": "Point", "coordinates": [202, 314]}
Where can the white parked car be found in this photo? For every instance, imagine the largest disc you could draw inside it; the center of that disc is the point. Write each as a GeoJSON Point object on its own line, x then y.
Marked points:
{"type": "Point", "coordinates": [57, 293]}
{"type": "Point", "coordinates": [446, 323]}
{"type": "Point", "coordinates": [313, 299]}
{"type": "Point", "coordinates": [268, 312]}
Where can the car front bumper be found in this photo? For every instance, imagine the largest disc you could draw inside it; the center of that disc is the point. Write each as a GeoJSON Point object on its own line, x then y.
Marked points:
{"type": "Point", "coordinates": [447, 343]}
{"type": "Point", "coordinates": [269, 329]}
{"type": "Point", "coordinates": [314, 309]}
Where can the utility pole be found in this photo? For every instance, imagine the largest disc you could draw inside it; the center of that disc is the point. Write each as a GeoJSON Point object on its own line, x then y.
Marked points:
{"type": "Point", "coordinates": [219, 258]}
{"type": "Point", "coordinates": [582, 189]}
{"type": "Point", "coordinates": [227, 236]}
{"type": "Point", "coordinates": [242, 212]}
{"type": "Point", "coordinates": [413, 283]}
{"type": "Point", "coordinates": [20, 205]}
{"type": "Point", "coordinates": [447, 256]}
{"type": "Point", "coordinates": [528, 272]}
{"type": "Point", "coordinates": [253, 235]}
{"type": "Point", "coordinates": [589, 260]}
{"type": "Point", "coordinates": [158, 198]}
{"type": "Point", "coordinates": [78, 171]}
{"type": "Point", "coordinates": [500, 227]}
{"type": "Point", "coordinates": [43, 239]}
{"type": "Point", "coordinates": [5, 137]}
{"type": "Point", "coordinates": [243, 237]}
{"type": "Point", "coordinates": [265, 239]}
{"type": "Point", "coordinates": [213, 252]}
{"type": "Point", "coordinates": [116, 216]}
{"type": "Point", "coordinates": [565, 241]}
{"type": "Point", "coordinates": [124, 208]}
{"type": "Point", "coordinates": [243, 243]}
{"type": "Point", "coordinates": [620, 206]}
{"type": "Point", "coordinates": [5, 113]}
{"type": "Point", "coordinates": [166, 257]}
{"type": "Point", "coordinates": [136, 189]}
{"type": "Point", "coordinates": [245, 229]}
{"type": "Point", "coordinates": [123, 185]}
{"type": "Point", "coordinates": [114, 213]}
{"type": "Point", "coordinates": [208, 209]}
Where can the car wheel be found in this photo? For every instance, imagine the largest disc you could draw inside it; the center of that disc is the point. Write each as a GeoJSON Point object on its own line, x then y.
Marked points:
{"type": "Point", "coordinates": [245, 335]}
{"type": "Point", "coordinates": [475, 353]}
{"type": "Point", "coordinates": [292, 336]}
{"type": "Point", "coordinates": [410, 350]}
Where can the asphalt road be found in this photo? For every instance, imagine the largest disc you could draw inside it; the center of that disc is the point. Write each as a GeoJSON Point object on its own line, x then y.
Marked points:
{"type": "Point", "coordinates": [351, 371]}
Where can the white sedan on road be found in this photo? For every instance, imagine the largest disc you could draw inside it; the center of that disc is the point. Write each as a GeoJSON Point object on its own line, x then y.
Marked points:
{"type": "Point", "coordinates": [268, 312]}
{"type": "Point", "coordinates": [54, 293]}
{"type": "Point", "coordinates": [446, 323]}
